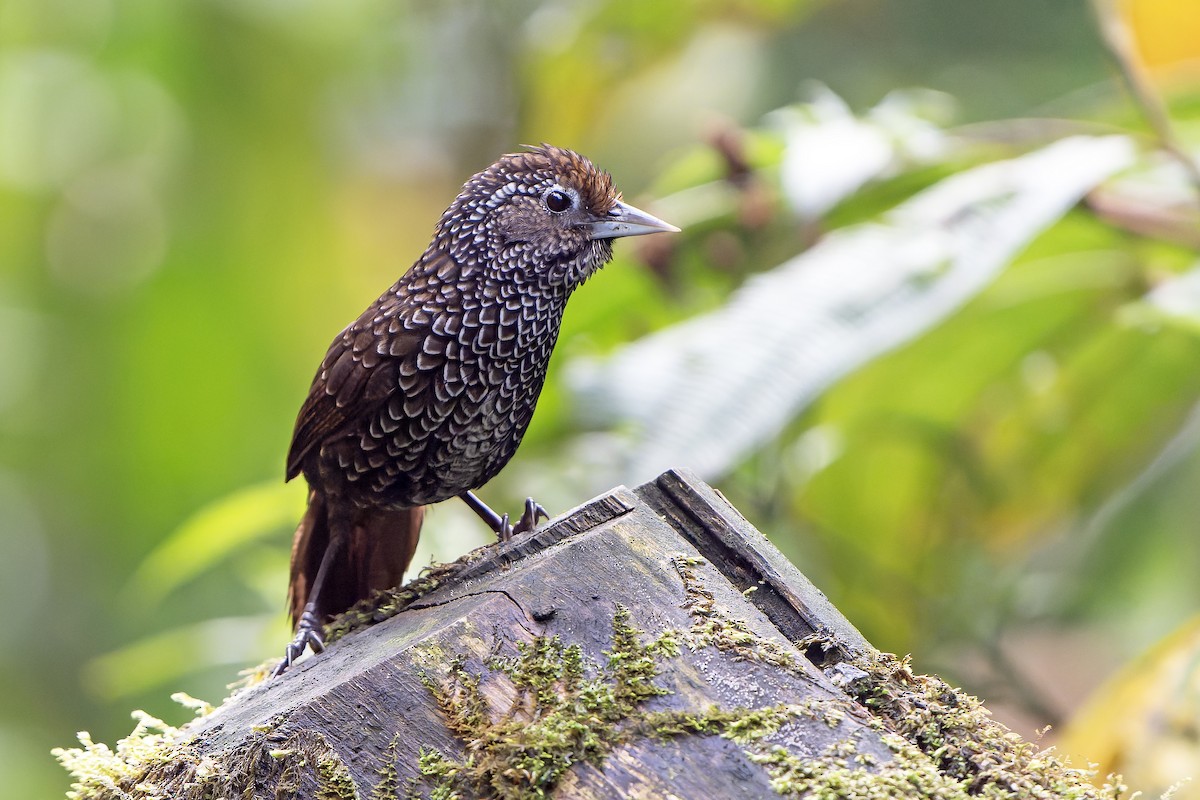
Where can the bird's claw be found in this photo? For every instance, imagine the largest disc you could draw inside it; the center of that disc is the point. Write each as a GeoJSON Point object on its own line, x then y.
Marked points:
{"type": "Point", "coordinates": [529, 520]}
{"type": "Point", "coordinates": [308, 634]}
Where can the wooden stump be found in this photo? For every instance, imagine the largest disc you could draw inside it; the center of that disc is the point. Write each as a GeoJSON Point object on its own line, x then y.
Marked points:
{"type": "Point", "coordinates": [650, 643]}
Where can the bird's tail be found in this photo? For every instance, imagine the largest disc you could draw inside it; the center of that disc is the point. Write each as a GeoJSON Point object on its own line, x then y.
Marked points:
{"type": "Point", "coordinates": [378, 549]}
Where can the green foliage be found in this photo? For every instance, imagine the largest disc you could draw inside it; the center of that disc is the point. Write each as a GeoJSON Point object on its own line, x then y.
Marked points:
{"type": "Point", "coordinates": [226, 526]}
{"type": "Point", "coordinates": [195, 197]}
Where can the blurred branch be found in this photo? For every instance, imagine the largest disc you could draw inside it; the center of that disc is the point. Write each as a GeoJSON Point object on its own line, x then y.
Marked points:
{"type": "Point", "coordinates": [1030, 132]}
{"type": "Point", "coordinates": [1177, 224]}
{"type": "Point", "coordinates": [1022, 690]}
{"type": "Point", "coordinates": [1180, 446]}
{"type": "Point", "coordinates": [1118, 39]}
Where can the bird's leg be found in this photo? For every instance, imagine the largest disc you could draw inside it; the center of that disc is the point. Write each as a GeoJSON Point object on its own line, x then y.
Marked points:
{"type": "Point", "coordinates": [489, 517]}
{"type": "Point", "coordinates": [500, 524]}
{"type": "Point", "coordinates": [308, 627]}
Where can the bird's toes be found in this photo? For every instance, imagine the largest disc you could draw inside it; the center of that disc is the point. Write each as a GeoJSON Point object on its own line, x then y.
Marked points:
{"type": "Point", "coordinates": [506, 529]}
{"type": "Point", "coordinates": [534, 511]}
{"type": "Point", "coordinates": [307, 635]}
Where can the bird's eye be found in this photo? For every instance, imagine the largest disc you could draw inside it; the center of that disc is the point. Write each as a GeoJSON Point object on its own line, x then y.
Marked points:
{"type": "Point", "coordinates": [558, 201]}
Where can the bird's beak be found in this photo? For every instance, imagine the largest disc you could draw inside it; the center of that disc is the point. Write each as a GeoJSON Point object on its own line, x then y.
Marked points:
{"type": "Point", "coordinates": [625, 220]}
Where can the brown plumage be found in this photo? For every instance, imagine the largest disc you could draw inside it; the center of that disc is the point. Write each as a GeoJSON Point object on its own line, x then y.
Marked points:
{"type": "Point", "coordinates": [427, 394]}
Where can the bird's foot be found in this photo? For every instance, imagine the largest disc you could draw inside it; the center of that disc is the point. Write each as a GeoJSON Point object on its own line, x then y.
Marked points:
{"type": "Point", "coordinates": [528, 521]}
{"type": "Point", "coordinates": [506, 531]}
{"type": "Point", "coordinates": [308, 634]}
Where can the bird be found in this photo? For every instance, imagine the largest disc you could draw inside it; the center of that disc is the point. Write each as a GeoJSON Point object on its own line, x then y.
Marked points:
{"type": "Point", "coordinates": [427, 394]}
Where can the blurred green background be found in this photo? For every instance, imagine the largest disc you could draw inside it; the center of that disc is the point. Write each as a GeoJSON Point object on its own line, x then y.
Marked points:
{"type": "Point", "coordinates": [195, 196]}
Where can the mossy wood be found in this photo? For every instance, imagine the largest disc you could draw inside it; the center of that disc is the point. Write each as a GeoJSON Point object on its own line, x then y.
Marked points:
{"type": "Point", "coordinates": [650, 643]}
{"type": "Point", "coordinates": [673, 553]}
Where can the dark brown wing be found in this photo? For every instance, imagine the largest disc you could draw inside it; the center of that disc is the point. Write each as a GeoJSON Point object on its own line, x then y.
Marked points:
{"type": "Point", "coordinates": [358, 374]}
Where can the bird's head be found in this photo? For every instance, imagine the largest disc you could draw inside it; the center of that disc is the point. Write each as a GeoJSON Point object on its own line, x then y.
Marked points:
{"type": "Point", "coordinates": [545, 216]}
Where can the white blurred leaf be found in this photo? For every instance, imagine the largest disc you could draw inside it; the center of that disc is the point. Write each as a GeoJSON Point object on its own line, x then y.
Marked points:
{"type": "Point", "coordinates": [705, 392]}
{"type": "Point", "coordinates": [830, 153]}
{"type": "Point", "coordinates": [1180, 296]}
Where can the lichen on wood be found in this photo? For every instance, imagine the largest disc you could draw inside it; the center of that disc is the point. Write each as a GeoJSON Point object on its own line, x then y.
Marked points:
{"type": "Point", "coordinates": [956, 733]}
{"type": "Point", "coordinates": [564, 711]}
{"type": "Point", "coordinates": [158, 762]}
{"type": "Point", "coordinates": [567, 709]}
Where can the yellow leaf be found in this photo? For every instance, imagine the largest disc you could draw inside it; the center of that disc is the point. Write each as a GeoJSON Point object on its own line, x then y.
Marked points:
{"type": "Point", "coordinates": [1142, 723]}
{"type": "Point", "coordinates": [1167, 34]}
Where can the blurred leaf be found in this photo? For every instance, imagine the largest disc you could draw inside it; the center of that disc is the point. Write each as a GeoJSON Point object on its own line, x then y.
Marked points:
{"type": "Point", "coordinates": [1177, 301]}
{"type": "Point", "coordinates": [213, 534]}
{"type": "Point", "coordinates": [162, 659]}
{"type": "Point", "coordinates": [983, 442]}
{"type": "Point", "coordinates": [1167, 33]}
{"type": "Point", "coordinates": [704, 392]}
{"type": "Point", "coordinates": [1143, 722]}
{"type": "Point", "coordinates": [831, 153]}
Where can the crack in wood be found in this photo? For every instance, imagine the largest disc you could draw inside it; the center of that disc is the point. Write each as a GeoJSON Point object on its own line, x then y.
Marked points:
{"type": "Point", "coordinates": [531, 616]}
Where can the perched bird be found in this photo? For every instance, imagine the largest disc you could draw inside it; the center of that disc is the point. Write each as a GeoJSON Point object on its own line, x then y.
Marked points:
{"type": "Point", "coordinates": [427, 394]}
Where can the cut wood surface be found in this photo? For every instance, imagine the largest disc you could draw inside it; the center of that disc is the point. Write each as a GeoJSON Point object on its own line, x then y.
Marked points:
{"type": "Point", "coordinates": [677, 557]}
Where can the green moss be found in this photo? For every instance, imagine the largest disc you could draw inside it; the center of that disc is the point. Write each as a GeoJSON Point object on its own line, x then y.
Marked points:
{"type": "Point", "coordinates": [568, 710]}
{"type": "Point", "coordinates": [388, 785]}
{"type": "Point", "coordinates": [711, 627]}
{"type": "Point", "coordinates": [956, 734]}
{"type": "Point", "coordinates": [564, 711]}
{"type": "Point", "coordinates": [383, 605]}
{"type": "Point", "coordinates": [834, 776]}
{"type": "Point", "coordinates": [157, 762]}
{"type": "Point", "coordinates": [333, 778]}
{"type": "Point", "coordinates": [101, 772]}
{"type": "Point", "coordinates": [739, 725]}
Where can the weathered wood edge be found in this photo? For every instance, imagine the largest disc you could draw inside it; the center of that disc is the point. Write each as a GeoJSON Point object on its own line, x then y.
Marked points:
{"type": "Point", "coordinates": [706, 520]}
{"type": "Point", "coordinates": [608, 506]}
{"type": "Point", "coordinates": [749, 560]}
